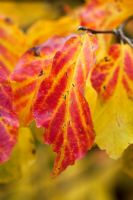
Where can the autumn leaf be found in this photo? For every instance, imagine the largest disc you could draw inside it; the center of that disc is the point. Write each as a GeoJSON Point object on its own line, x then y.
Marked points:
{"type": "Point", "coordinates": [112, 78]}
{"type": "Point", "coordinates": [8, 121]}
{"type": "Point", "coordinates": [34, 66]}
{"type": "Point", "coordinates": [44, 29]}
{"type": "Point", "coordinates": [61, 107]}
{"type": "Point", "coordinates": [105, 14]}
{"type": "Point", "coordinates": [12, 43]}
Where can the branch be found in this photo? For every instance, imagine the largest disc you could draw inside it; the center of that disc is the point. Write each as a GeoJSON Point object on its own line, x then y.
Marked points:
{"type": "Point", "coordinates": [118, 32]}
{"type": "Point", "coordinates": [82, 28]}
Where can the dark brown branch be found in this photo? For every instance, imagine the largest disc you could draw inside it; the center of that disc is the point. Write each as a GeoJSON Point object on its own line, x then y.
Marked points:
{"type": "Point", "coordinates": [82, 28]}
{"type": "Point", "coordinates": [118, 32]}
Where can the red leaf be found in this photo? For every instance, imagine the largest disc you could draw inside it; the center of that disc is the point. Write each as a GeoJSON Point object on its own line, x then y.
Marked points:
{"type": "Point", "coordinates": [10, 39]}
{"type": "Point", "coordinates": [117, 65]}
{"type": "Point", "coordinates": [34, 66]}
{"type": "Point", "coordinates": [8, 121]}
{"type": "Point", "coordinates": [102, 14]}
{"type": "Point", "coordinates": [61, 106]}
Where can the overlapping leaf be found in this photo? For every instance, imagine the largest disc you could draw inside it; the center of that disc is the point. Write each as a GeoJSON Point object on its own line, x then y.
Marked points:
{"type": "Point", "coordinates": [33, 66]}
{"type": "Point", "coordinates": [61, 107]}
{"type": "Point", "coordinates": [8, 121]}
{"type": "Point", "coordinates": [11, 42]}
{"type": "Point", "coordinates": [112, 78]}
{"type": "Point", "coordinates": [105, 14]}
{"type": "Point", "coordinates": [44, 29]}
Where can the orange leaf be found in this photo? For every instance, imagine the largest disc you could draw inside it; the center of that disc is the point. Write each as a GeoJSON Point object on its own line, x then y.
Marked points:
{"type": "Point", "coordinates": [61, 106]}
{"type": "Point", "coordinates": [33, 66]}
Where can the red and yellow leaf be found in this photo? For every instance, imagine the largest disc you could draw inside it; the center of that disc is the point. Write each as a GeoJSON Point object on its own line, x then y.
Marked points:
{"type": "Point", "coordinates": [105, 14]}
{"type": "Point", "coordinates": [61, 107]}
{"type": "Point", "coordinates": [8, 120]}
{"type": "Point", "coordinates": [11, 42]}
{"type": "Point", "coordinates": [31, 69]}
{"type": "Point", "coordinates": [112, 78]}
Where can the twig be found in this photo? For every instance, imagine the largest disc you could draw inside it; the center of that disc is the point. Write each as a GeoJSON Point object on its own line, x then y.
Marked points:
{"type": "Point", "coordinates": [82, 28]}
{"type": "Point", "coordinates": [118, 32]}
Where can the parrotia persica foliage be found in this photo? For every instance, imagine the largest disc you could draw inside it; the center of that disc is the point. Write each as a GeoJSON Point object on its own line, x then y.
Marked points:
{"type": "Point", "coordinates": [77, 86]}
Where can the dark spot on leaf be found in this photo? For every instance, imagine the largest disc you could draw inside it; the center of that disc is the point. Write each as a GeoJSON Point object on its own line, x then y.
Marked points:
{"type": "Point", "coordinates": [73, 85]}
{"type": "Point", "coordinates": [104, 87]}
{"type": "Point", "coordinates": [36, 51]}
{"type": "Point", "coordinates": [106, 59]}
{"type": "Point", "coordinates": [64, 96]}
{"type": "Point", "coordinates": [41, 73]}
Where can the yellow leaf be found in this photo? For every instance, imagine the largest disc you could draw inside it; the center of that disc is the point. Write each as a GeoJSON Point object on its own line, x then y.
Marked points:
{"type": "Point", "coordinates": [44, 29]}
{"type": "Point", "coordinates": [112, 78]}
{"type": "Point", "coordinates": [12, 43]}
